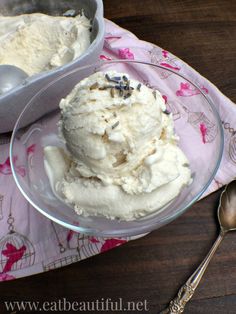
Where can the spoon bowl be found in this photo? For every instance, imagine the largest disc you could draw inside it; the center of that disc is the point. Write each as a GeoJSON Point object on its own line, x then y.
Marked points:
{"type": "Point", "coordinates": [227, 208]}
{"type": "Point", "coordinates": [10, 77]}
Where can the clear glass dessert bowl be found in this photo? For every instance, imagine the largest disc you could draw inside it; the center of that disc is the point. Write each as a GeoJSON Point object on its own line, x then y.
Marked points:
{"type": "Point", "coordinates": [196, 123]}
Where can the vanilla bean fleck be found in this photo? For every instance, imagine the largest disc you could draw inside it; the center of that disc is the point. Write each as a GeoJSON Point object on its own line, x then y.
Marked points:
{"type": "Point", "coordinates": [105, 87]}
{"type": "Point", "coordinates": [139, 87]}
{"type": "Point", "coordinates": [127, 86]}
{"type": "Point", "coordinates": [109, 79]}
{"type": "Point", "coordinates": [127, 95]}
{"type": "Point", "coordinates": [94, 86]}
{"type": "Point", "coordinates": [154, 94]}
{"type": "Point", "coordinates": [112, 91]}
{"type": "Point", "coordinates": [115, 125]}
{"type": "Point", "coordinates": [122, 85]}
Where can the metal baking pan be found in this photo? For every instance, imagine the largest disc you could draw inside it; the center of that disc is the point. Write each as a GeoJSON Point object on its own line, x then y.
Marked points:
{"type": "Point", "coordinates": [13, 102]}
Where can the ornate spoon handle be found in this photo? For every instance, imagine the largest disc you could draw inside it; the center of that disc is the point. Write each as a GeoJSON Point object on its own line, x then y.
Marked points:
{"type": "Point", "coordinates": [186, 292]}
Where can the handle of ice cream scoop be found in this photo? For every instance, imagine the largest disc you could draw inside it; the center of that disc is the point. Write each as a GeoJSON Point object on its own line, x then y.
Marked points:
{"type": "Point", "coordinates": [185, 293]}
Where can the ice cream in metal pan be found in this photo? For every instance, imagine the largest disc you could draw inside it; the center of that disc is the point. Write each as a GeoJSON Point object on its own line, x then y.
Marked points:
{"type": "Point", "coordinates": [46, 39]}
{"type": "Point", "coordinates": [39, 42]}
{"type": "Point", "coordinates": [121, 158]}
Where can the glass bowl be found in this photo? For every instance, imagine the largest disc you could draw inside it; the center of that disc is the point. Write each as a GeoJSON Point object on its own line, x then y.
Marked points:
{"type": "Point", "coordinates": [196, 121]}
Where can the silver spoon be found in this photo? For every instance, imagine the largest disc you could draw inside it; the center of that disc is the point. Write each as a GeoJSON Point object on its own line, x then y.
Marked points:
{"type": "Point", "coordinates": [227, 220]}
{"type": "Point", "coordinates": [10, 77]}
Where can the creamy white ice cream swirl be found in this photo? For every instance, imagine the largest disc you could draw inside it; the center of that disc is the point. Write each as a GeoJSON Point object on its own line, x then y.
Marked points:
{"type": "Point", "coordinates": [39, 42]}
{"type": "Point", "coordinates": [123, 148]}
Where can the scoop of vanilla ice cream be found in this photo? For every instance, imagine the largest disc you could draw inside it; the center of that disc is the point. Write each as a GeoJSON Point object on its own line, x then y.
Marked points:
{"type": "Point", "coordinates": [118, 133]}
{"type": "Point", "coordinates": [39, 42]}
{"type": "Point", "coordinates": [122, 158]}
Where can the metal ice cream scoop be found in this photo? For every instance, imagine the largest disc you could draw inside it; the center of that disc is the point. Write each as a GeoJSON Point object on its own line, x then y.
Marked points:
{"type": "Point", "coordinates": [10, 77]}
{"type": "Point", "coordinates": [227, 221]}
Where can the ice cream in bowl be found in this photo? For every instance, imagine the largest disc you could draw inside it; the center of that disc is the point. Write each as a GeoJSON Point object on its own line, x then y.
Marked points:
{"type": "Point", "coordinates": [123, 154]}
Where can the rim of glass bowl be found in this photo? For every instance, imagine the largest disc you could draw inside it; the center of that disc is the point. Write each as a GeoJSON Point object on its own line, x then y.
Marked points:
{"type": "Point", "coordinates": [132, 231]}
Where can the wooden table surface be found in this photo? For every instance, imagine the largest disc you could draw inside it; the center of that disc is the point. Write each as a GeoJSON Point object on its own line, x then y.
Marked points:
{"type": "Point", "coordinates": [202, 33]}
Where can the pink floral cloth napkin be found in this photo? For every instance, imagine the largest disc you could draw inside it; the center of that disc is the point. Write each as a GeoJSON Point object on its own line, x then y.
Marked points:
{"type": "Point", "coordinates": [29, 242]}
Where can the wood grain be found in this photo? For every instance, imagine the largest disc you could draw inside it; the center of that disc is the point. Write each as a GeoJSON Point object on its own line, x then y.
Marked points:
{"type": "Point", "coordinates": [202, 33]}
